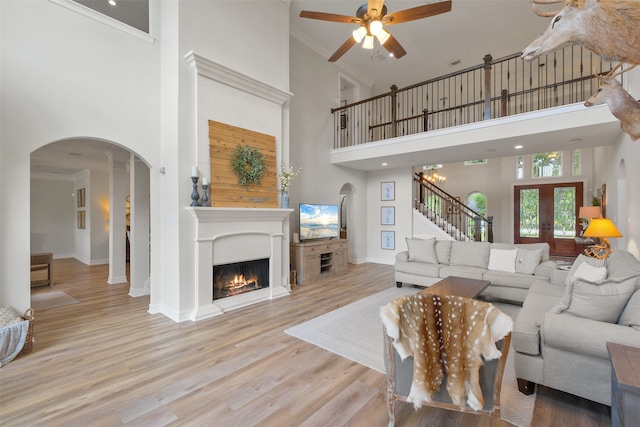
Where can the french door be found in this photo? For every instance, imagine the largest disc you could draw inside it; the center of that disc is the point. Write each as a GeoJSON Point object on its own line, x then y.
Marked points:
{"type": "Point", "coordinates": [548, 213]}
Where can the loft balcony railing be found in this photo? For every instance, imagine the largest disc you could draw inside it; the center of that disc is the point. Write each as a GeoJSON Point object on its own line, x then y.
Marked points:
{"type": "Point", "coordinates": [495, 88]}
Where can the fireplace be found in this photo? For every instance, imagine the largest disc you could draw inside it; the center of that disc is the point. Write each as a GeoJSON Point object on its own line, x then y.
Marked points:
{"type": "Point", "coordinates": [240, 277]}
{"type": "Point", "coordinates": [233, 236]}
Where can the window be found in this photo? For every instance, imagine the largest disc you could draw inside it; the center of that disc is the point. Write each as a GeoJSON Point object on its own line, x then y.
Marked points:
{"type": "Point", "coordinates": [576, 162]}
{"type": "Point", "coordinates": [475, 162]}
{"type": "Point", "coordinates": [547, 164]}
{"type": "Point", "coordinates": [519, 167]}
{"type": "Point", "coordinates": [427, 167]}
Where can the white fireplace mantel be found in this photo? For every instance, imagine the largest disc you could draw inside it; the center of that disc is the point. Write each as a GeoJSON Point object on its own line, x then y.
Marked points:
{"type": "Point", "coordinates": [238, 214]}
{"type": "Point", "coordinates": [238, 234]}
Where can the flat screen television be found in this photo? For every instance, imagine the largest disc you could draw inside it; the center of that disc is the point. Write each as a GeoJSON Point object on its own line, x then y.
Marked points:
{"type": "Point", "coordinates": [318, 221]}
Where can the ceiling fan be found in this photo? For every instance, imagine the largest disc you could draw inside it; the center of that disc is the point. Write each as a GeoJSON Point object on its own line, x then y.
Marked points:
{"type": "Point", "coordinates": [372, 17]}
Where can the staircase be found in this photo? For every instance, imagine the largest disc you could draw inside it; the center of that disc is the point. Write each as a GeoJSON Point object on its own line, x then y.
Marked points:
{"type": "Point", "coordinates": [449, 214]}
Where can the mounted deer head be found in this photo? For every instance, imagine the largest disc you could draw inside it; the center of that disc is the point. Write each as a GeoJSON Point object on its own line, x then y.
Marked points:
{"type": "Point", "coordinates": [606, 27]}
{"type": "Point", "coordinates": [621, 104]}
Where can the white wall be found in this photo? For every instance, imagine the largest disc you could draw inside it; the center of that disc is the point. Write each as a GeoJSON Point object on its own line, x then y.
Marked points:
{"type": "Point", "coordinates": [403, 203]}
{"type": "Point", "coordinates": [64, 75]}
{"type": "Point", "coordinates": [98, 211]}
{"type": "Point", "coordinates": [316, 89]}
{"type": "Point", "coordinates": [53, 216]}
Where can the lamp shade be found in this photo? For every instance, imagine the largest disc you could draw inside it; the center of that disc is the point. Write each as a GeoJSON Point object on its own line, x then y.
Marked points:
{"type": "Point", "coordinates": [601, 227]}
{"type": "Point", "coordinates": [359, 34]}
{"type": "Point", "coordinates": [590, 212]}
{"type": "Point", "coordinates": [383, 36]}
{"type": "Point", "coordinates": [368, 42]}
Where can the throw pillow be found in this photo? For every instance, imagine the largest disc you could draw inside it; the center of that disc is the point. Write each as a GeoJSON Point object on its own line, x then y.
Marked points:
{"type": "Point", "coordinates": [528, 260]}
{"type": "Point", "coordinates": [471, 254]}
{"type": "Point", "coordinates": [588, 272]}
{"type": "Point", "coordinates": [503, 260]}
{"type": "Point", "coordinates": [602, 300]}
{"type": "Point", "coordinates": [422, 250]}
{"type": "Point", "coordinates": [631, 314]}
{"type": "Point", "coordinates": [594, 262]}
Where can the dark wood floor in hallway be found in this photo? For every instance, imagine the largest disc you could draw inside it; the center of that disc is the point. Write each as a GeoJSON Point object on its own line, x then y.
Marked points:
{"type": "Point", "coordinates": [106, 361]}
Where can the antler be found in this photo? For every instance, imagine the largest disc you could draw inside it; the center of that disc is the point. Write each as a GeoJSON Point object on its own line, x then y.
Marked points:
{"type": "Point", "coordinates": [543, 13]}
{"type": "Point", "coordinates": [612, 73]}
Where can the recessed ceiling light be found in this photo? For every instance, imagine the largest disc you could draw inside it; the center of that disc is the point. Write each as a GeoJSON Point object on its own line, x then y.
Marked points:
{"type": "Point", "coordinates": [518, 147]}
{"type": "Point", "coordinates": [384, 164]}
{"type": "Point", "coordinates": [111, 2]}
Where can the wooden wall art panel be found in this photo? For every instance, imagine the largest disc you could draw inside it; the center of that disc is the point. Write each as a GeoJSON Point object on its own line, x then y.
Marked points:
{"type": "Point", "coordinates": [225, 190]}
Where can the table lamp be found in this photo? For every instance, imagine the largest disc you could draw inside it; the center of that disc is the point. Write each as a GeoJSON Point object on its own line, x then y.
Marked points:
{"type": "Point", "coordinates": [586, 213]}
{"type": "Point", "coordinates": [602, 228]}
{"type": "Point", "coordinates": [589, 212]}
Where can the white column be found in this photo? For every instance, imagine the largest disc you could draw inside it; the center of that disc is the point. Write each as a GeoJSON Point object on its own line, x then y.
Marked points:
{"type": "Point", "coordinates": [118, 191]}
{"type": "Point", "coordinates": [139, 228]}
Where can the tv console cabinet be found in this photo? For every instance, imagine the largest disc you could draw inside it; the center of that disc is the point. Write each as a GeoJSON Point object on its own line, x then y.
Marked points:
{"type": "Point", "coordinates": [312, 259]}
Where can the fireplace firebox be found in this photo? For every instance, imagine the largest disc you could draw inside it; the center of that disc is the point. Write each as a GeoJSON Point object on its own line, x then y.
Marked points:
{"type": "Point", "coordinates": [240, 277]}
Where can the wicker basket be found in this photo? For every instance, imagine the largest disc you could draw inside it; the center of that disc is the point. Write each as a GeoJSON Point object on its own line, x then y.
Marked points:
{"type": "Point", "coordinates": [28, 342]}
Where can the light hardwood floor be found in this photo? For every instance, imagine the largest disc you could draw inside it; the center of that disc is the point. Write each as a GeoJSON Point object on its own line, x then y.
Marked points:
{"type": "Point", "coordinates": [107, 362]}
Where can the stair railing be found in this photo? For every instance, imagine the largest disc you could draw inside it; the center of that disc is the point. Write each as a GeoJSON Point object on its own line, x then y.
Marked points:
{"type": "Point", "coordinates": [450, 214]}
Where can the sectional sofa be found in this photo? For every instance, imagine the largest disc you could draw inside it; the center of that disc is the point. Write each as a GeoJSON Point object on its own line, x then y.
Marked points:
{"type": "Point", "coordinates": [511, 269]}
{"type": "Point", "coordinates": [560, 334]}
{"type": "Point", "coordinates": [567, 316]}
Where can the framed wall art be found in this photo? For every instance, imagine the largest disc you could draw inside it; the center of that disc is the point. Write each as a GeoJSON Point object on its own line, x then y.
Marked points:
{"type": "Point", "coordinates": [388, 240]}
{"type": "Point", "coordinates": [388, 190]}
{"type": "Point", "coordinates": [388, 215]}
{"type": "Point", "coordinates": [81, 220]}
{"type": "Point", "coordinates": [80, 197]}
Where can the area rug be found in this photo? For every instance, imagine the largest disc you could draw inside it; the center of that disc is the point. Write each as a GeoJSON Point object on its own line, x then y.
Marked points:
{"type": "Point", "coordinates": [51, 300]}
{"type": "Point", "coordinates": [355, 332]}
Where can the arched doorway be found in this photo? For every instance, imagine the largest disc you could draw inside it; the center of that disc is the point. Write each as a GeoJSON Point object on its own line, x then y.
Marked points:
{"type": "Point", "coordinates": [79, 192]}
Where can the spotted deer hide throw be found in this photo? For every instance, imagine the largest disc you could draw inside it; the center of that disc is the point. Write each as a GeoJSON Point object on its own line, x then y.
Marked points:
{"type": "Point", "coordinates": [445, 334]}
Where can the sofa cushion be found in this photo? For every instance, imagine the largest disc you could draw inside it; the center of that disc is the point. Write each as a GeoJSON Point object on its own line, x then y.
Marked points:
{"type": "Point", "coordinates": [472, 254]}
{"type": "Point", "coordinates": [631, 314]}
{"type": "Point", "coordinates": [535, 246]}
{"type": "Point", "coordinates": [503, 260]}
{"type": "Point", "coordinates": [622, 264]}
{"type": "Point", "coordinates": [511, 280]}
{"type": "Point", "coordinates": [602, 300]}
{"type": "Point", "coordinates": [582, 259]}
{"type": "Point", "coordinates": [422, 250]}
{"type": "Point", "coordinates": [527, 260]}
{"type": "Point", "coordinates": [418, 268]}
{"type": "Point", "coordinates": [462, 271]}
{"type": "Point", "coordinates": [588, 272]}
{"type": "Point", "coordinates": [443, 249]}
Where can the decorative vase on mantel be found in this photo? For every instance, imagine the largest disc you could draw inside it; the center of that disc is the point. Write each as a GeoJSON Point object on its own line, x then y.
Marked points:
{"type": "Point", "coordinates": [284, 200]}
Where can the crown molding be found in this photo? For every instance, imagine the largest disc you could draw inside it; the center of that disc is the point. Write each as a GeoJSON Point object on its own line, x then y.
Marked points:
{"type": "Point", "coordinates": [219, 73]}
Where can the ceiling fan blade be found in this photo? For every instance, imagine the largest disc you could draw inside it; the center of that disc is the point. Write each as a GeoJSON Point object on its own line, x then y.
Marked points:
{"type": "Point", "coordinates": [394, 47]}
{"type": "Point", "coordinates": [375, 5]}
{"type": "Point", "coordinates": [330, 17]}
{"type": "Point", "coordinates": [417, 12]}
{"type": "Point", "coordinates": [343, 49]}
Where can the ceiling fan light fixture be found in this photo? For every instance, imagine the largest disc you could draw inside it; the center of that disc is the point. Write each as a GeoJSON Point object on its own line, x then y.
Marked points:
{"type": "Point", "coordinates": [368, 42]}
{"type": "Point", "coordinates": [383, 36]}
{"type": "Point", "coordinates": [375, 27]}
{"type": "Point", "coordinates": [359, 34]}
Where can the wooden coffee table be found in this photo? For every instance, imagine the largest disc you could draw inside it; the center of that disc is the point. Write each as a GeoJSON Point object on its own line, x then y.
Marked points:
{"type": "Point", "coordinates": [457, 286]}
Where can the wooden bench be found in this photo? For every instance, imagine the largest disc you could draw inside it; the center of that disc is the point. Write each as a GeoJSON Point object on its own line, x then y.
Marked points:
{"type": "Point", "coordinates": [43, 261]}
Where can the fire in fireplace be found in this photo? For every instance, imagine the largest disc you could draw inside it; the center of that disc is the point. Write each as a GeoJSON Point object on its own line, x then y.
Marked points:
{"type": "Point", "coordinates": [240, 277]}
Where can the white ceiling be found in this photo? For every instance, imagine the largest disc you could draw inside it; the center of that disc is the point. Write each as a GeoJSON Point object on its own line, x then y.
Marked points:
{"type": "Point", "coordinates": [471, 30]}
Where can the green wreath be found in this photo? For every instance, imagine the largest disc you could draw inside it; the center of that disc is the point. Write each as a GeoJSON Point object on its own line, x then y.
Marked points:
{"type": "Point", "coordinates": [248, 165]}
